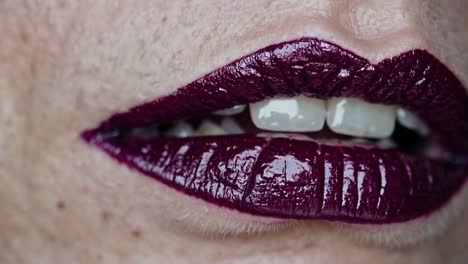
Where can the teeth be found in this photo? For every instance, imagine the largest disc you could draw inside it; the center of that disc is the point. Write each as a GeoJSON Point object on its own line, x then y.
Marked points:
{"type": "Point", "coordinates": [386, 143]}
{"type": "Point", "coordinates": [348, 116]}
{"type": "Point", "coordinates": [237, 109]}
{"type": "Point", "coordinates": [208, 128]}
{"type": "Point", "coordinates": [296, 114]}
{"type": "Point", "coordinates": [231, 126]}
{"type": "Point", "coordinates": [411, 121]}
{"type": "Point", "coordinates": [355, 117]}
{"type": "Point", "coordinates": [181, 130]}
{"type": "Point", "coordinates": [144, 132]}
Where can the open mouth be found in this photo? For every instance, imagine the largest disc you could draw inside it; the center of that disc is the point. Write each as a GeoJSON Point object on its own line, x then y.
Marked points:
{"type": "Point", "coordinates": [305, 130]}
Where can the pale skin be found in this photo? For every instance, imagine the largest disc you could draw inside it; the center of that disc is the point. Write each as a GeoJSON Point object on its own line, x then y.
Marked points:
{"type": "Point", "coordinates": [67, 65]}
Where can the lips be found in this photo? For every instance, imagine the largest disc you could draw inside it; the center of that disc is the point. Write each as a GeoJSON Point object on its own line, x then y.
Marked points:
{"type": "Point", "coordinates": [288, 177]}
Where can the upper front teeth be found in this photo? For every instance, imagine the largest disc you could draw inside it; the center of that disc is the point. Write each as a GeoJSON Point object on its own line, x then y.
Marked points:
{"type": "Point", "coordinates": [411, 121]}
{"type": "Point", "coordinates": [355, 117]}
{"type": "Point", "coordinates": [348, 116]}
{"type": "Point", "coordinates": [299, 113]}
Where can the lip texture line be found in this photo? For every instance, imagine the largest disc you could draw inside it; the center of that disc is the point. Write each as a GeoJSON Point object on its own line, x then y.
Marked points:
{"type": "Point", "coordinates": [291, 178]}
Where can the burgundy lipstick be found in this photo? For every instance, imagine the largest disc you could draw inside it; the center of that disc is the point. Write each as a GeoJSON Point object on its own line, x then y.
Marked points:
{"type": "Point", "coordinates": [293, 178]}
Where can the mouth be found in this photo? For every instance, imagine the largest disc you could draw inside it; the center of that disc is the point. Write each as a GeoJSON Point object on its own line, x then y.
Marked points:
{"type": "Point", "coordinates": [305, 130]}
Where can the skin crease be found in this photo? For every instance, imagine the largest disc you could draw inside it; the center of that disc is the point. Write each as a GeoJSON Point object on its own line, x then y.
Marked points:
{"type": "Point", "coordinates": [65, 66]}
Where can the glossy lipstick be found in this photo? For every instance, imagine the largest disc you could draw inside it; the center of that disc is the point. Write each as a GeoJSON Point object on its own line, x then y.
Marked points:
{"type": "Point", "coordinates": [292, 178]}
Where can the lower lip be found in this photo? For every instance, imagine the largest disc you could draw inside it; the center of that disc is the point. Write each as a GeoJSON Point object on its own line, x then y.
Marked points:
{"type": "Point", "coordinates": [288, 178]}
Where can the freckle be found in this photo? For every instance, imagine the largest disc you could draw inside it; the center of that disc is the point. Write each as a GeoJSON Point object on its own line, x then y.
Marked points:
{"type": "Point", "coordinates": [52, 238]}
{"type": "Point", "coordinates": [106, 216]}
{"type": "Point", "coordinates": [61, 4]}
{"type": "Point", "coordinates": [136, 233]}
{"type": "Point", "coordinates": [60, 205]}
{"type": "Point", "coordinates": [164, 19]}
{"type": "Point", "coordinates": [24, 37]}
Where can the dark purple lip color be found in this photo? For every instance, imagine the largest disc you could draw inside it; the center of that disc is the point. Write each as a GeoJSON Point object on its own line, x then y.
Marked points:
{"type": "Point", "coordinates": [290, 178]}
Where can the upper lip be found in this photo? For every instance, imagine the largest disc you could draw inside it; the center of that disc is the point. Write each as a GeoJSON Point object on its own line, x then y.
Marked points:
{"type": "Point", "coordinates": [415, 80]}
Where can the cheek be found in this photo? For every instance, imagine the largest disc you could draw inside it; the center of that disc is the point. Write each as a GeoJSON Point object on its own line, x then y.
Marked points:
{"type": "Point", "coordinates": [375, 19]}
{"type": "Point", "coordinates": [444, 26]}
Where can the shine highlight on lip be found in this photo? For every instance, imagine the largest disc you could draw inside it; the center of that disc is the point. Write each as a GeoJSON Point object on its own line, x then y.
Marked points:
{"type": "Point", "coordinates": [224, 138]}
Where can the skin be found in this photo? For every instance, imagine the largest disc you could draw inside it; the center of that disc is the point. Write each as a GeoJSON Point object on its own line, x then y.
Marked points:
{"type": "Point", "coordinates": [65, 66]}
